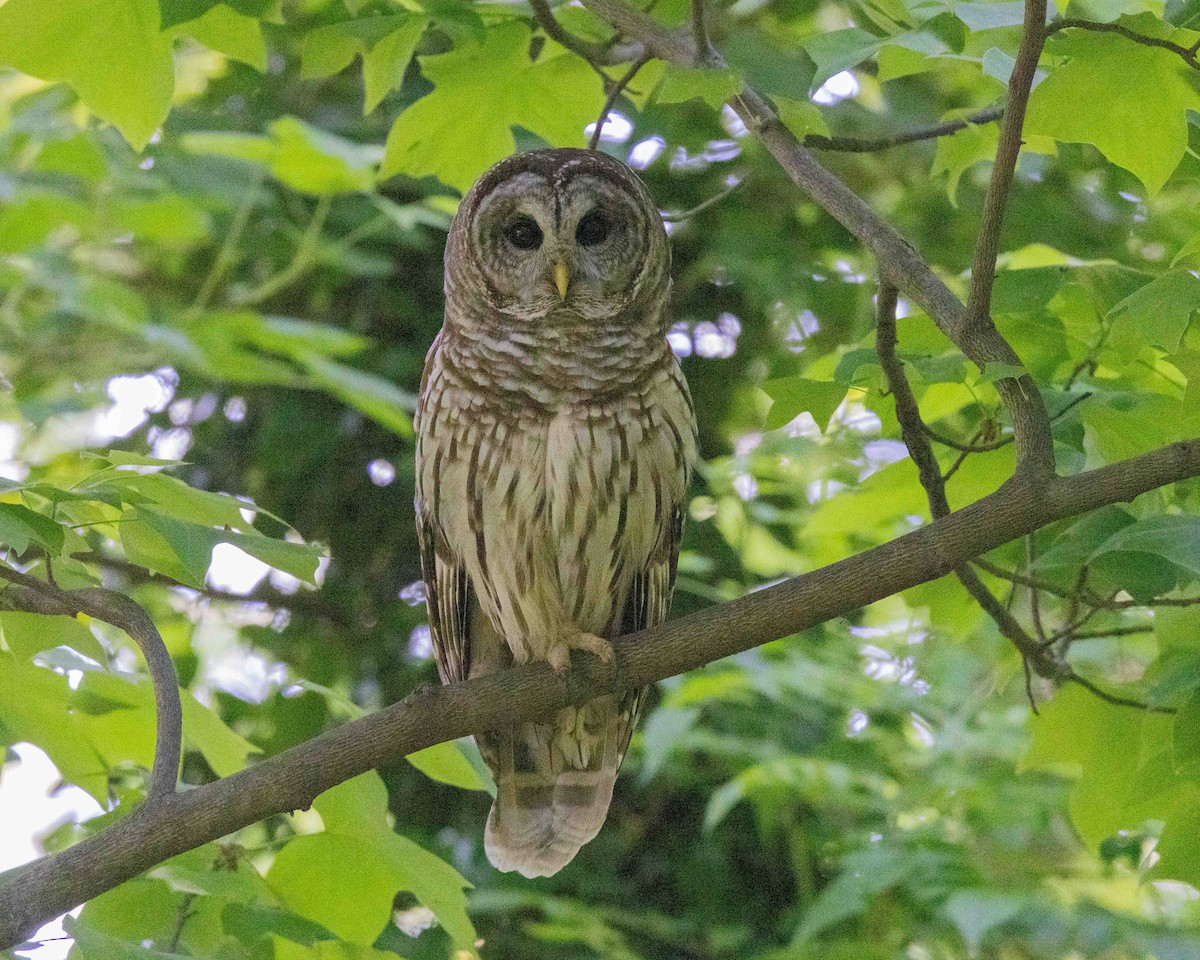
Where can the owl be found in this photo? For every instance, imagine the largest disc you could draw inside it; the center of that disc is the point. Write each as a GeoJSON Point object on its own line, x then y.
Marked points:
{"type": "Point", "coordinates": [555, 440]}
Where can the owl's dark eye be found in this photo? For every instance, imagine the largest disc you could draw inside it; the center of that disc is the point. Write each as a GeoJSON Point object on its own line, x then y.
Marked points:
{"type": "Point", "coordinates": [592, 229]}
{"type": "Point", "coordinates": [524, 233]}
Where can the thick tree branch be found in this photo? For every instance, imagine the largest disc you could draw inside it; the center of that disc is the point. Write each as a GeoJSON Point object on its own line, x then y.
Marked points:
{"type": "Point", "coordinates": [182, 821]}
{"type": "Point", "coordinates": [898, 262]}
{"type": "Point", "coordinates": [815, 141]}
{"type": "Point", "coordinates": [32, 595]}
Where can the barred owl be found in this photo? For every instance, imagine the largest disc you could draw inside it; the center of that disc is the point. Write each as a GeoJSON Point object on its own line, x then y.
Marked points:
{"type": "Point", "coordinates": [555, 442]}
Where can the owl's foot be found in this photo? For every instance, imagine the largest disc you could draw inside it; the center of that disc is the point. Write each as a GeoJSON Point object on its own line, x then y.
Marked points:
{"type": "Point", "coordinates": [559, 654]}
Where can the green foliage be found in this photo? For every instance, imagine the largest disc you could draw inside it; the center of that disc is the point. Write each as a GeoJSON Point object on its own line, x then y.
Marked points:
{"type": "Point", "coordinates": [221, 270]}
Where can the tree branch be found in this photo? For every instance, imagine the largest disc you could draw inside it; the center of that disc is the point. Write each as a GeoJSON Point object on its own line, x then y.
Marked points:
{"type": "Point", "coordinates": [898, 262]}
{"type": "Point", "coordinates": [1188, 54]}
{"type": "Point", "coordinates": [32, 595]}
{"type": "Point", "coordinates": [912, 431]}
{"type": "Point", "coordinates": [597, 54]}
{"type": "Point", "coordinates": [1078, 593]}
{"type": "Point", "coordinates": [1036, 452]}
{"type": "Point", "coordinates": [611, 100]}
{"type": "Point", "coordinates": [182, 821]}
{"type": "Point", "coordinates": [815, 141]}
{"type": "Point", "coordinates": [977, 446]}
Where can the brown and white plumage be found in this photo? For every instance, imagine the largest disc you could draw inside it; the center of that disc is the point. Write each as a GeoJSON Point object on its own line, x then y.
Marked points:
{"type": "Point", "coordinates": [555, 443]}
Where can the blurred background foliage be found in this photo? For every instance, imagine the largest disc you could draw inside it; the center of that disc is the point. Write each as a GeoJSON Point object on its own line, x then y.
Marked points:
{"type": "Point", "coordinates": [222, 235]}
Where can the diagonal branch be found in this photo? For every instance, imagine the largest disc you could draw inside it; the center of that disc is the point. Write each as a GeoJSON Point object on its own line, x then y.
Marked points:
{"type": "Point", "coordinates": [32, 595]}
{"type": "Point", "coordinates": [898, 262]}
{"type": "Point", "coordinates": [182, 821]}
{"type": "Point", "coordinates": [597, 54]}
{"type": "Point", "coordinates": [815, 141]}
{"type": "Point", "coordinates": [1037, 454]}
{"type": "Point", "coordinates": [1187, 54]}
{"type": "Point", "coordinates": [912, 431]}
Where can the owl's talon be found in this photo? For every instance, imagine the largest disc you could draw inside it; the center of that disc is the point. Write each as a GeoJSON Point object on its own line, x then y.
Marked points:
{"type": "Point", "coordinates": [559, 654]}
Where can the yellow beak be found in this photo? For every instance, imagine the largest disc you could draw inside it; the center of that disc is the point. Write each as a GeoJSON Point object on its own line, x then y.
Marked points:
{"type": "Point", "coordinates": [562, 278]}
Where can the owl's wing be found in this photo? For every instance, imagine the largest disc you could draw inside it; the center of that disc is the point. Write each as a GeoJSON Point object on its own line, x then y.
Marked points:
{"type": "Point", "coordinates": [450, 600]}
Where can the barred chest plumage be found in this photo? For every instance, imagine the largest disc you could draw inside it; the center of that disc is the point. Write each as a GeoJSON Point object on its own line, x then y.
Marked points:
{"type": "Point", "coordinates": [555, 501]}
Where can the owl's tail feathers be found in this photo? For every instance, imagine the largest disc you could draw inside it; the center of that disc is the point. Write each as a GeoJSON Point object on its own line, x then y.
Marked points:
{"type": "Point", "coordinates": [554, 783]}
{"type": "Point", "coordinates": [537, 828]}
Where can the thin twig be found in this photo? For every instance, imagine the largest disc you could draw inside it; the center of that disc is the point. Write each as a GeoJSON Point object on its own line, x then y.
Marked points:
{"type": "Point", "coordinates": [974, 446]}
{"type": "Point", "coordinates": [908, 414]}
{"type": "Point", "coordinates": [960, 459]}
{"type": "Point", "coordinates": [1118, 701]}
{"type": "Point", "coordinates": [616, 91]}
{"type": "Point", "coordinates": [225, 256]}
{"type": "Point", "coordinates": [1111, 632]}
{"type": "Point", "coordinates": [1035, 608]}
{"type": "Point", "coordinates": [182, 915]}
{"type": "Point", "coordinates": [32, 595]}
{"type": "Point", "coordinates": [701, 207]}
{"type": "Point", "coordinates": [815, 141]}
{"type": "Point", "coordinates": [1187, 54]}
{"type": "Point", "coordinates": [302, 259]}
{"type": "Point", "coordinates": [1091, 599]}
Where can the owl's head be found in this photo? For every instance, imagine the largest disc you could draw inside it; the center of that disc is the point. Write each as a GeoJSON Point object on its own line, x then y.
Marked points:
{"type": "Point", "coordinates": [556, 234]}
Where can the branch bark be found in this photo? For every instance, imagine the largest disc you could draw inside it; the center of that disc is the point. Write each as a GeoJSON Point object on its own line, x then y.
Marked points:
{"type": "Point", "coordinates": [912, 431]}
{"type": "Point", "coordinates": [32, 595]}
{"type": "Point", "coordinates": [164, 827]}
{"type": "Point", "coordinates": [898, 262]}
{"type": "Point", "coordinates": [815, 141]}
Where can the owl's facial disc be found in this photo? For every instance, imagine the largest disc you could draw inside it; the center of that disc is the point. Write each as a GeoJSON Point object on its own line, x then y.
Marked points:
{"type": "Point", "coordinates": [567, 239]}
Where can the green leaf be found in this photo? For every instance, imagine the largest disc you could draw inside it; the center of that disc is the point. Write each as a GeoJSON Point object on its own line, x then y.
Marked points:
{"type": "Point", "coordinates": [840, 50]}
{"type": "Point", "coordinates": [110, 52]}
{"type": "Point", "coordinates": [1146, 95]}
{"type": "Point", "coordinates": [30, 633]}
{"type": "Point", "coordinates": [792, 396]}
{"type": "Point", "coordinates": [347, 877]}
{"type": "Point", "coordinates": [225, 751]}
{"type": "Point", "coordinates": [182, 549]}
{"type": "Point", "coordinates": [175, 12]}
{"type": "Point", "coordinates": [801, 117]}
{"type": "Point", "coordinates": [329, 950]}
{"type": "Point", "coordinates": [1106, 746]}
{"type": "Point", "coordinates": [298, 155]}
{"type": "Point", "coordinates": [1159, 313]}
{"type": "Point", "coordinates": [991, 16]}
{"type": "Point", "coordinates": [386, 45]}
{"type": "Point", "coordinates": [382, 401]}
{"type": "Point", "coordinates": [1175, 538]}
{"type": "Point", "coordinates": [454, 134]}
{"type": "Point", "coordinates": [446, 763]}
{"type": "Point", "coordinates": [34, 707]}
{"type": "Point", "coordinates": [226, 31]}
{"type": "Point", "coordinates": [961, 150]}
{"type": "Point", "coordinates": [977, 912]}
{"type": "Point", "coordinates": [384, 65]}
{"type": "Point", "coordinates": [714, 87]}
{"type": "Point", "coordinates": [20, 526]}
{"type": "Point", "coordinates": [1186, 739]}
